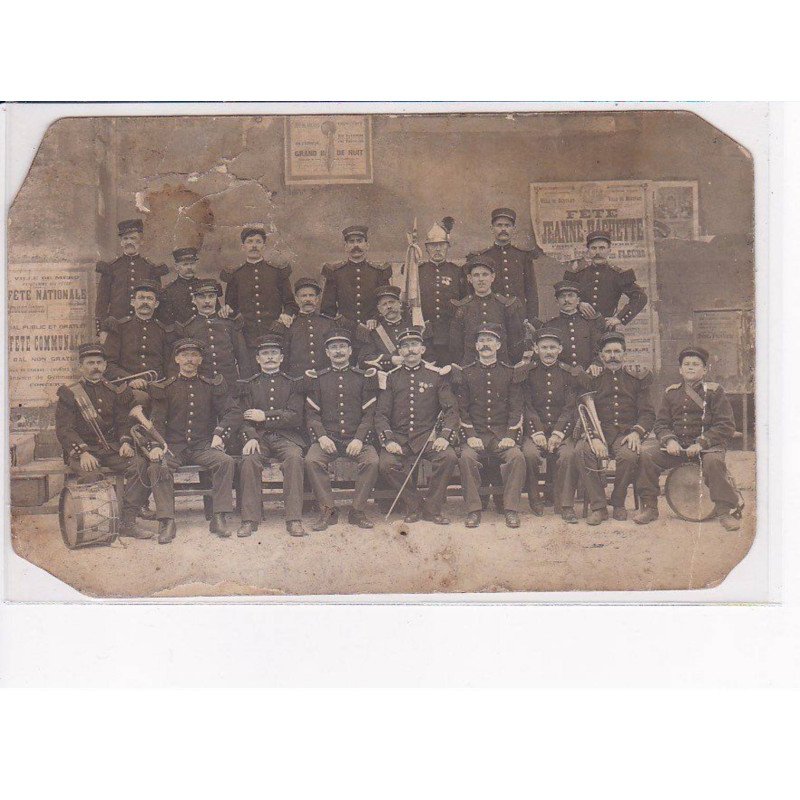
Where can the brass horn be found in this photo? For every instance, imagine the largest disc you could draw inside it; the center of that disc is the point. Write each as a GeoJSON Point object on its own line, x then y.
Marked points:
{"type": "Point", "coordinates": [592, 429]}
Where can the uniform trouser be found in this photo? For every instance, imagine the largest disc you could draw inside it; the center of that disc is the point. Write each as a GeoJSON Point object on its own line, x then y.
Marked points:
{"type": "Point", "coordinates": [136, 490]}
{"type": "Point", "coordinates": [565, 466]}
{"type": "Point", "coordinates": [512, 471]}
{"type": "Point", "coordinates": [395, 468]}
{"type": "Point", "coordinates": [220, 464]}
{"type": "Point", "coordinates": [715, 474]}
{"type": "Point", "coordinates": [317, 461]}
{"type": "Point", "coordinates": [290, 456]}
{"type": "Point", "coordinates": [626, 464]}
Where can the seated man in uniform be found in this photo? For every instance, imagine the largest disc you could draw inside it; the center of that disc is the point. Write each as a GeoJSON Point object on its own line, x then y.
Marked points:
{"type": "Point", "coordinates": [695, 421]}
{"type": "Point", "coordinates": [550, 395]}
{"type": "Point", "coordinates": [193, 416]}
{"type": "Point", "coordinates": [340, 415]}
{"type": "Point", "coordinates": [93, 429]}
{"type": "Point", "coordinates": [625, 410]}
{"type": "Point", "coordinates": [272, 405]}
{"type": "Point", "coordinates": [417, 398]}
{"type": "Point", "coordinates": [489, 394]}
{"type": "Point", "coordinates": [378, 345]}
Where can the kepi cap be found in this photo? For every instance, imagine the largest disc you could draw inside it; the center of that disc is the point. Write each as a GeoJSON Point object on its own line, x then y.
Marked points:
{"type": "Point", "coordinates": [130, 226]}
{"type": "Point", "coordinates": [547, 333]}
{"type": "Point", "coordinates": [185, 254]}
{"type": "Point", "coordinates": [595, 235]}
{"type": "Point", "coordinates": [700, 352]}
{"type": "Point", "coordinates": [146, 285]}
{"type": "Point", "coordinates": [387, 290]}
{"type": "Point", "coordinates": [90, 349]}
{"type": "Point", "coordinates": [410, 334]}
{"type": "Point", "coordinates": [493, 328]}
{"type": "Point", "coordinates": [270, 340]}
{"type": "Point", "coordinates": [566, 286]}
{"type": "Point", "coordinates": [359, 229]}
{"type": "Point", "coordinates": [505, 212]}
{"type": "Point", "coordinates": [479, 261]}
{"type": "Point", "coordinates": [612, 336]}
{"type": "Point", "coordinates": [338, 335]}
{"type": "Point", "coordinates": [252, 230]}
{"type": "Point", "coordinates": [313, 283]}
{"type": "Point", "coordinates": [188, 344]}
{"type": "Point", "coordinates": [207, 285]}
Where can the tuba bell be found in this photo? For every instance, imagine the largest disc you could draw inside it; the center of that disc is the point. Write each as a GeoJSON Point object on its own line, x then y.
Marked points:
{"type": "Point", "coordinates": [592, 429]}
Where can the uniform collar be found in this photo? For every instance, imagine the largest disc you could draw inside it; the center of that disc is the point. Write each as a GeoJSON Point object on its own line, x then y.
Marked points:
{"type": "Point", "coordinates": [142, 319]}
{"type": "Point", "coordinates": [207, 316]}
{"type": "Point", "coordinates": [92, 383]}
{"type": "Point", "coordinates": [413, 369]}
{"type": "Point", "coordinates": [272, 373]}
{"type": "Point", "coordinates": [187, 378]}
{"type": "Point", "coordinates": [487, 366]}
{"type": "Point", "coordinates": [568, 313]}
{"type": "Point", "coordinates": [340, 369]}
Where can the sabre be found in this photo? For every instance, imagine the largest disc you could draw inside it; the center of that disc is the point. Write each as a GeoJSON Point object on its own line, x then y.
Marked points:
{"type": "Point", "coordinates": [414, 465]}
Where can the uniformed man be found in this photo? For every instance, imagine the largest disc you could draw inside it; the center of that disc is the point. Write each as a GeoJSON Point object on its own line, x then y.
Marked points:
{"type": "Point", "coordinates": [489, 394]}
{"type": "Point", "coordinates": [93, 429]}
{"type": "Point", "coordinates": [622, 397]}
{"type": "Point", "coordinates": [485, 306]}
{"type": "Point", "coordinates": [119, 279]}
{"type": "Point", "coordinates": [195, 417]}
{"type": "Point", "coordinates": [516, 275]}
{"type": "Point", "coordinates": [440, 281]}
{"type": "Point", "coordinates": [340, 416]}
{"type": "Point", "coordinates": [304, 339]}
{"type": "Point", "coordinates": [350, 285]}
{"type": "Point", "coordinates": [139, 343]}
{"type": "Point", "coordinates": [223, 339]}
{"type": "Point", "coordinates": [259, 291]}
{"type": "Point", "coordinates": [695, 421]}
{"type": "Point", "coordinates": [272, 403]}
{"type": "Point", "coordinates": [416, 400]}
{"type": "Point", "coordinates": [378, 345]}
{"type": "Point", "coordinates": [602, 284]}
{"type": "Point", "coordinates": [580, 337]}
{"type": "Point", "coordinates": [176, 297]}
{"type": "Point", "coordinates": [550, 398]}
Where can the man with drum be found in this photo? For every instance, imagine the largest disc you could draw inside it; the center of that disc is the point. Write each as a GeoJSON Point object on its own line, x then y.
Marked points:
{"type": "Point", "coordinates": [695, 421]}
{"type": "Point", "coordinates": [193, 416]}
{"type": "Point", "coordinates": [379, 344]}
{"type": "Point", "coordinates": [93, 429]}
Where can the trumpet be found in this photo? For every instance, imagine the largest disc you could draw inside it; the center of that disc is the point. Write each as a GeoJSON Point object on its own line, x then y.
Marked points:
{"type": "Point", "coordinates": [150, 375]}
{"type": "Point", "coordinates": [592, 429]}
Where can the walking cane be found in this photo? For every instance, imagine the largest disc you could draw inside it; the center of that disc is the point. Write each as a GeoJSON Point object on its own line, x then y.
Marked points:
{"type": "Point", "coordinates": [414, 465]}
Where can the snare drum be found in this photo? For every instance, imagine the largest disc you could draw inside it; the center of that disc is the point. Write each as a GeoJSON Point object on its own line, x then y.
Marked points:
{"type": "Point", "coordinates": [687, 494]}
{"type": "Point", "coordinates": [88, 514]}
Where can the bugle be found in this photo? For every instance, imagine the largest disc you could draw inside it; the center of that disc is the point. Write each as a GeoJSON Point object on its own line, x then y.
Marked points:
{"type": "Point", "coordinates": [592, 429]}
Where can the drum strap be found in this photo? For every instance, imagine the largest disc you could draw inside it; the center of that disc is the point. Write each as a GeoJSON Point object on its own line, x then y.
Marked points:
{"type": "Point", "coordinates": [386, 339]}
{"type": "Point", "coordinates": [694, 396]}
{"type": "Point", "coordinates": [89, 413]}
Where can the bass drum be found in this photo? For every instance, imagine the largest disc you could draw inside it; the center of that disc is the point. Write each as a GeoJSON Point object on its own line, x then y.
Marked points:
{"type": "Point", "coordinates": [88, 514]}
{"type": "Point", "coordinates": [687, 494]}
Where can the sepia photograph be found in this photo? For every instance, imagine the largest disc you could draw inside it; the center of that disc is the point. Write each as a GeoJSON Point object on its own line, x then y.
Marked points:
{"type": "Point", "coordinates": [350, 354]}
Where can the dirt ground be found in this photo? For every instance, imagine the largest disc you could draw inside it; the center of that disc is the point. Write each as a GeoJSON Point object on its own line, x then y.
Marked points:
{"type": "Point", "coordinates": [545, 554]}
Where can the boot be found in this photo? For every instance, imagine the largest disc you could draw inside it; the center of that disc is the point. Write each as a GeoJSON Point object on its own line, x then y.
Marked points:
{"type": "Point", "coordinates": [246, 529]}
{"type": "Point", "coordinates": [473, 519]}
{"type": "Point", "coordinates": [295, 528]}
{"type": "Point", "coordinates": [596, 516]}
{"type": "Point", "coordinates": [436, 519]}
{"type": "Point", "coordinates": [568, 515]}
{"type": "Point", "coordinates": [648, 512]}
{"type": "Point", "coordinates": [219, 525]}
{"type": "Point", "coordinates": [128, 526]}
{"type": "Point", "coordinates": [359, 519]}
{"type": "Point", "coordinates": [166, 531]}
{"type": "Point", "coordinates": [727, 520]}
{"type": "Point", "coordinates": [327, 517]}
{"type": "Point", "coordinates": [145, 512]}
{"type": "Point", "coordinates": [512, 519]}
{"type": "Point", "coordinates": [619, 513]}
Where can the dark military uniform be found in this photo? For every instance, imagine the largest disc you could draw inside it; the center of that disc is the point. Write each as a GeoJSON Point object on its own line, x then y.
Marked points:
{"type": "Point", "coordinates": [374, 351]}
{"type": "Point", "coordinates": [474, 311]}
{"type": "Point", "coordinates": [438, 285]}
{"type": "Point", "coordinates": [699, 414]}
{"type": "Point", "coordinates": [136, 345]}
{"type": "Point", "coordinates": [515, 276]}
{"type": "Point", "coordinates": [550, 403]}
{"type": "Point", "coordinates": [340, 404]}
{"type": "Point", "coordinates": [490, 407]}
{"type": "Point", "coordinates": [117, 282]}
{"type": "Point", "coordinates": [280, 437]}
{"type": "Point", "coordinates": [260, 292]}
{"type": "Point", "coordinates": [604, 285]}
{"type": "Point", "coordinates": [580, 338]}
{"type": "Point", "coordinates": [350, 289]}
{"type": "Point", "coordinates": [624, 404]}
{"type": "Point", "coordinates": [406, 413]}
{"type": "Point", "coordinates": [175, 301]}
{"type": "Point", "coordinates": [225, 351]}
{"type": "Point", "coordinates": [188, 413]}
{"type": "Point", "coordinates": [304, 342]}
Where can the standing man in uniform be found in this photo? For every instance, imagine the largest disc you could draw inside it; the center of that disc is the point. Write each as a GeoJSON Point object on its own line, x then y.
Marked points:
{"type": "Point", "coordinates": [580, 337]}
{"type": "Point", "coordinates": [695, 421]}
{"type": "Point", "coordinates": [602, 284]}
{"type": "Point", "coordinates": [304, 340]}
{"type": "Point", "coordinates": [622, 397]}
{"type": "Point", "coordinates": [440, 281]}
{"type": "Point", "coordinates": [223, 339]}
{"type": "Point", "coordinates": [138, 343]}
{"type": "Point", "coordinates": [195, 416]}
{"type": "Point", "coordinates": [259, 291]}
{"type": "Point", "coordinates": [105, 443]}
{"type": "Point", "coordinates": [350, 285]}
{"type": "Point", "coordinates": [340, 416]}
{"type": "Point", "coordinates": [485, 306]}
{"type": "Point", "coordinates": [490, 401]}
{"type": "Point", "coordinates": [551, 389]}
{"type": "Point", "coordinates": [379, 344]}
{"type": "Point", "coordinates": [516, 275]}
{"type": "Point", "coordinates": [176, 297]}
{"type": "Point", "coordinates": [119, 279]}
{"type": "Point", "coordinates": [272, 404]}
{"type": "Point", "coordinates": [417, 398]}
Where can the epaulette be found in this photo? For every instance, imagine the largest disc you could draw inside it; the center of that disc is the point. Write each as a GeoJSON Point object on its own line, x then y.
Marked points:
{"type": "Point", "coordinates": [466, 366]}
{"type": "Point", "coordinates": [184, 324]}
{"type": "Point", "coordinates": [118, 388]}
{"type": "Point", "coordinates": [215, 381]}
{"type": "Point", "coordinates": [293, 377]}
{"type": "Point", "coordinates": [328, 316]}
{"type": "Point", "coordinates": [113, 323]}
{"type": "Point", "coordinates": [161, 269]}
{"type": "Point", "coordinates": [389, 372]}
{"type": "Point", "coordinates": [387, 267]}
{"type": "Point", "coordinates": [367, 373]}
{"type": "Point", "coordinates": [520, 372]}
{"type": "Point", "coordinates": [674, 386]}
{"type": "Point", "coordinates": [578, 265]}
{"type": "Point", "coordinates": [574, 371]}
{"type": "Point", "coordinates": [227, 274]}
{"type": "Point", "coordinates": [445, 370]}
{"type": "Point", "coordinates": [102, 267]}
{"type": "Point", "coordinates": [169, 328]}
{"type": "Point", "coordinates": [311, 373]}
{"type": "Point", "coordinates": [617, 269]}
{"type": "Point", "coordinates": [334, 266]}
{"type": "Point", "coordinates": [712, 387]}
{"type": "Point", "coordinates": [463, 301]}
{"type": "Point", "coordinates": [506, 300]}
{"type": "Point", "coordinates": [637, 371]}
{"type": "Point", "coordinates": [162, 384]}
